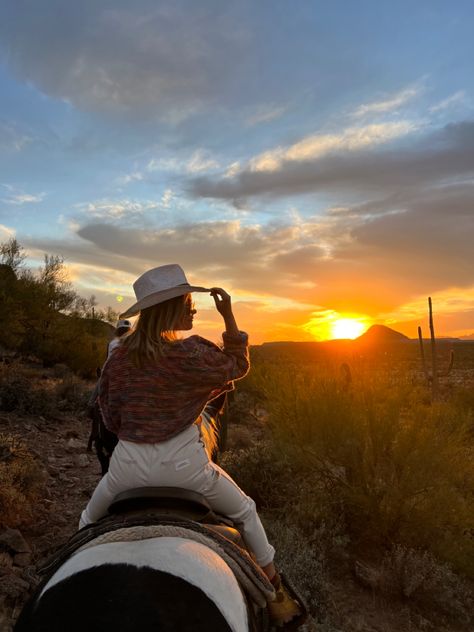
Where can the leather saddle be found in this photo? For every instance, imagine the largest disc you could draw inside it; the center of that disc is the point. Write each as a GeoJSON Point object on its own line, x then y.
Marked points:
{"type": "Point", "coordinates": [172, 503]}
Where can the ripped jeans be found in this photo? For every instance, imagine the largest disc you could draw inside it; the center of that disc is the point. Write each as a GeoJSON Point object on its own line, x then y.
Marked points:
{"type": "Point", "coordinates": [179, 462]}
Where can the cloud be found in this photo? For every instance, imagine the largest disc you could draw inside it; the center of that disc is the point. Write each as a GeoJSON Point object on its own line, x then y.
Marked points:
{"type": "Point", "coordinates": [351, 163]}
{"type": "Point", "coordinates": [12, 138]}
{"type": "Point", "coordinates": [389, 104]}
{"type": "Point", "coordinates": [18, 197]}
{"type": "Point", "coordinates": [6, 233]}
{"type": "Point", "coordinates": [200, 161]}
{"type": "Point", "coordinates": [455, 99]}
{"type": "Point", "coordinates": [124, 209]}
{"type": "Point", "coordinates": [371, 258]}
{"type": "Point", "coordinates": [417, 242]}
{"type": "Point", "coordinates": [159, 59]}
{"type": "Point", "coordinates": [265, 114]}
{"type": "Point", "coordinates": [135, 176]}
{"type": "Point", "coordinates": [319, 145]}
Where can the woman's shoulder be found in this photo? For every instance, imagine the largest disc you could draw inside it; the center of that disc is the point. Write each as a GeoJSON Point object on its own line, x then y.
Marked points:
{"type": "Point", "coordinates": [197, 344]}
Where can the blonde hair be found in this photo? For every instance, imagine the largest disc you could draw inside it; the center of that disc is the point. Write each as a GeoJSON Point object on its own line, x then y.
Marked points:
{"type": "Point", "coordinates": [155, 329]}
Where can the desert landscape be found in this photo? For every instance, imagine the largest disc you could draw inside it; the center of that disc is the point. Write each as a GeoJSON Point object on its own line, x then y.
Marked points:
{"type": "Point", "coordinates": [363, 481]}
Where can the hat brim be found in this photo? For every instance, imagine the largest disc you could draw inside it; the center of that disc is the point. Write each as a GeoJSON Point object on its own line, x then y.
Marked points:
{"type": "Point", "coordinates": [161, 297]}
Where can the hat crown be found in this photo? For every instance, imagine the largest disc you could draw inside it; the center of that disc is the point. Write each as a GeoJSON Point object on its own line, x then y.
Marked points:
{"type": "Point", "coordinates": [159, 280]}
{"type": "Point", "coordinates": [121, 324]}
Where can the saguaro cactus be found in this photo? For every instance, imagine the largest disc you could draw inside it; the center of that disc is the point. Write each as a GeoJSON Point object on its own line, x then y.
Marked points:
{"type": "Point", "coordinates": [433, 375]}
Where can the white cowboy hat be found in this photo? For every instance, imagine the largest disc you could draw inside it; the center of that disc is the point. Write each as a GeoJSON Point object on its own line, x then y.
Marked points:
{"type": "Point", "coordinates": [123, 324]}
{"type": "Point", "coordinates": [159, 285]}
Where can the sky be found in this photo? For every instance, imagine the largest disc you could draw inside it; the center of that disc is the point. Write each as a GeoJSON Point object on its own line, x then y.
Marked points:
{"type": "Point", "coordinates": [315, 159]}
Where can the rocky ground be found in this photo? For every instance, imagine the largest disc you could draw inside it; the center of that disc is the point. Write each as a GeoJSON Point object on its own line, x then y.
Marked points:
{"type": "Point", "coordinates": [71, 475]}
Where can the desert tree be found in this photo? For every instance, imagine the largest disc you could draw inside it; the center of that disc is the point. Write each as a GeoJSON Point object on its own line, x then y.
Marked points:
{"type": "Point", "coordinates": [12, 254]}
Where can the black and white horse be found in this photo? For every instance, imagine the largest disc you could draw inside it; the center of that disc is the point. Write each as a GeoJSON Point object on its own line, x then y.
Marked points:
{"type": "Point", "coordinates": [161, 562]}
{"type": "Point", "coordinates": [118, 575]}
{"type": "Point", "coordinates": [160, 584]}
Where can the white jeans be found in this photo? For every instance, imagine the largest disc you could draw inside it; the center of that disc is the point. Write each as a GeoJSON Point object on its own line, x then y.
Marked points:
{"type": "Point", "coordinates": [180, 462]}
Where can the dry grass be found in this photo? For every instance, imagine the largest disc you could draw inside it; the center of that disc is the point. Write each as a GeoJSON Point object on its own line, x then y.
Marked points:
{"type": "Point", "coordinates": [27, 392]}
{"type": "Point", "coordinates": [21, 483]}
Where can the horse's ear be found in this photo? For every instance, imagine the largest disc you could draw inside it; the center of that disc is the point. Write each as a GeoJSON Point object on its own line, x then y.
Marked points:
{"type": "Point", "coordinates": [98, 371]}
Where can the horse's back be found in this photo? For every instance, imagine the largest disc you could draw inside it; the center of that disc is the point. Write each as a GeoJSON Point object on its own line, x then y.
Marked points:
{"type": "Point", "coordinates": [158, 584]}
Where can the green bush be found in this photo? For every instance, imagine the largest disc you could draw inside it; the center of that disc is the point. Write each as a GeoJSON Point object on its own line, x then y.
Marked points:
{"type": "Point", "coordinates": [399, 470]}
{"type": "Point", "coordinates": [420, 577]}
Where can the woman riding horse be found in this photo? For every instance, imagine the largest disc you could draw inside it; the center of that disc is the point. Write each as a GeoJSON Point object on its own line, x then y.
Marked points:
{"type": "Point", "coordinates": [152, 391]}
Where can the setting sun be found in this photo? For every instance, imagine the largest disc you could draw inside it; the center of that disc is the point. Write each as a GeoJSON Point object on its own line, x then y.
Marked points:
{"type": "Point", "coordinates": [347, 328]}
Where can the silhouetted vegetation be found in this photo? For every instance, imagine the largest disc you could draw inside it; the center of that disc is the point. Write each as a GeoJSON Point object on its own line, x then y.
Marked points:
{"type": "Point", "coordinates": [370, 468]}
{"type": "Point", "coordinates": [41, 315]}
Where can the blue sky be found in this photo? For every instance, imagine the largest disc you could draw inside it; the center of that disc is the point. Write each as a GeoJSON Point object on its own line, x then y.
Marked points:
{"type": "Point", "coordinates": [316, 159]}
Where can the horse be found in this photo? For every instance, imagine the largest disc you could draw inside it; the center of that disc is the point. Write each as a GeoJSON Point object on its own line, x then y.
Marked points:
{"type": "Point", "coordinates": [161, 561]}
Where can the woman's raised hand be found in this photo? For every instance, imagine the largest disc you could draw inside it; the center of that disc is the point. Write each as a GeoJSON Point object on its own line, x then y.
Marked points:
{"type": "Point", "coordinates": [224, 307]}
{"type": "Point", "coordinates": [222, 301]}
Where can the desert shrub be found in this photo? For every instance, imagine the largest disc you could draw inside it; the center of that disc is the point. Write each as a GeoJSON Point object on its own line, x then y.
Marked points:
{"type": "Point", "coordinates": [21, 483]}
{"type": "Point", "coordinates": [305, 566]}
{"type": "Point", "coordinates": [420, 577]}
{"type": "Point", "coordinates": [383, 456]}
{"type": "Point", "coordinates": [262, 472]}
{"type": "Point", "coordinates": [24, 394]}
{"type": "Point", "coordinates": [28, 392]}
{"type": "Point", "coordinates": [289, 496]}
{"type": "Point", "coordinates": [72, 393]}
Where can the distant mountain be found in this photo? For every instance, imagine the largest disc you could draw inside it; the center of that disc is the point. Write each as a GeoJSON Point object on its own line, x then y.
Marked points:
{"type": "Point", "coordinates": [468, 337]}
{"type": "Point", "coordinates": [380, 333]}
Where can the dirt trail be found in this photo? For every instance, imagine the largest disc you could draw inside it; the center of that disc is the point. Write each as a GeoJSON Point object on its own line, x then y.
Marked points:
{"type": "Point", "coordinates": [71, 475]}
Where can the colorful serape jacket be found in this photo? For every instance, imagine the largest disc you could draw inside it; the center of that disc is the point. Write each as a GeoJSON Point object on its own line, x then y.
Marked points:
{"type": "Point", "coordinates": [157, 402]}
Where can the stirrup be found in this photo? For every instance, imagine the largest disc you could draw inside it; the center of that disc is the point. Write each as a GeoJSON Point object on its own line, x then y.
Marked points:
{"type": "Point", "coordinates": [288, 611]}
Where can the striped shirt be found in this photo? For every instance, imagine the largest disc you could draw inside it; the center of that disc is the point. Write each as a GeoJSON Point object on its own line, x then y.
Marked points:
{"type": "Point", "coordinates": [157, 402]}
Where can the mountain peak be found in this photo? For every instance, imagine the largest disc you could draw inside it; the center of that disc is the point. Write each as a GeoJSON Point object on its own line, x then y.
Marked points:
{"type": "Point", "coordinates": [381, 333]}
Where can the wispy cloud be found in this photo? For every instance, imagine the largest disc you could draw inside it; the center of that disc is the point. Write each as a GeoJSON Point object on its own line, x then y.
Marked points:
{"type": "Point", "coordinates": [135, 176]}
{"type": "Point", "coordinates": [265, 114]}
{"type": "Point", "coordinates": [120, 209]}
{"type": "Point", "coordinates": [13, 138]}
{"type": "Point", "coordinates": [6, 232]}
{"type": "Point", "coordinates": [166, 198]}
{"type": "Point", "coordinates": [200, 161]}
{"type": "Point", "coordinates": [389, 104]}
{"type": "Point", "coordinates": [319, 145]}
{"type": "Point", "coordinates": [18, 197]}
{"type": "Point", "coordinates": [455, 99]}
{"type": "Point", "coordinates": [358, 161]}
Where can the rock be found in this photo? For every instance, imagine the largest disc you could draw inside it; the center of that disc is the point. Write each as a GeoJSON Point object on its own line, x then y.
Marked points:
{"type": "Point", "coordinates": [52, 471]}
{"type": "Point", "coordinates": [13, 586]}
{"type": "Point", "coordinates": [6, 560]}
{"type": "Point", "coordinates": [12, 540]}
{"type": "Point", "coordinates": [367, 575]}
{"type": "Point", "coordinates": [22, 559]}
{"type": "Point", "coordinates": [81, 460]}
{"type": "Point", "coordinates": [73, 445]}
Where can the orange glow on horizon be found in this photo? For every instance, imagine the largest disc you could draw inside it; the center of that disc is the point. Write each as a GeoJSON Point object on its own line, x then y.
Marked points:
{"type": "Point", "coordinates": [332, 325]}
{"type": "Point", "coordinates": [347, 328]}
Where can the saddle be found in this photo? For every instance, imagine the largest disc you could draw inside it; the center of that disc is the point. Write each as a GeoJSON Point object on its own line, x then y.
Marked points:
{"type": "Point", "coordinates": [152, 506]}
{"type": "Point", "coordinates": [173, 503]}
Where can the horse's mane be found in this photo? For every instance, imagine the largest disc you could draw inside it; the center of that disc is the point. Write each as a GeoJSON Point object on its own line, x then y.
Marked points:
{"type": "Point", "coordinates": [209, 433]}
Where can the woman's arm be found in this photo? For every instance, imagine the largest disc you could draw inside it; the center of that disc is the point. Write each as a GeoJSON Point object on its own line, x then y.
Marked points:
{"type": "Point", "coordinates": [224, 307]}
